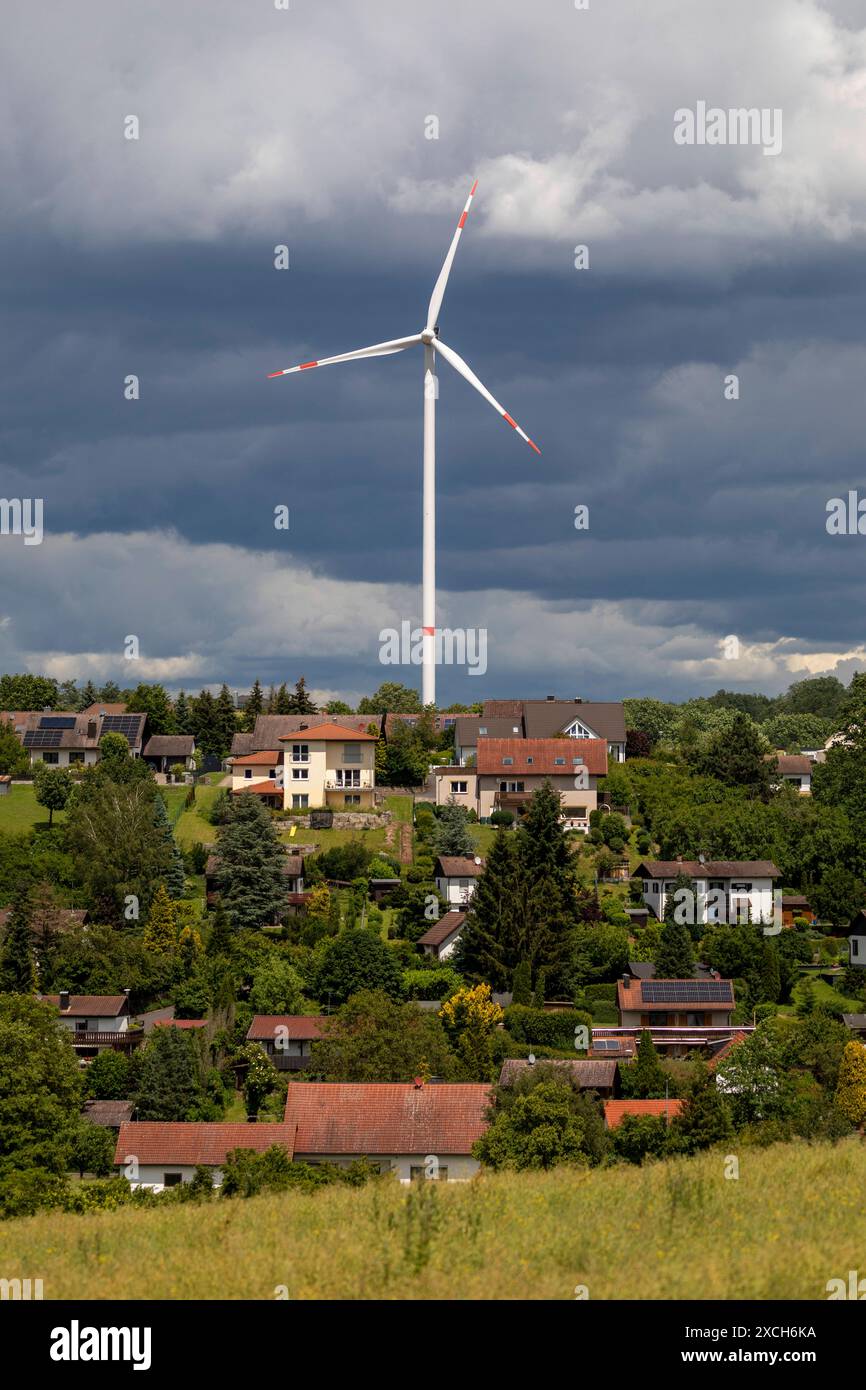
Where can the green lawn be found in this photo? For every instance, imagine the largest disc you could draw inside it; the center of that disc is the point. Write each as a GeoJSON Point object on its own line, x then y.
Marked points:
{"type": "Point", "coordinates": [192, 826]}
{"type": "Point", "coordinates": [20, 811]}
{"type": "Point", "coordinates": [678, 1229]}
{"type": "Point", "coordinates": [174, 797]}
{"type": "Point", "coordinates": [824, 994]}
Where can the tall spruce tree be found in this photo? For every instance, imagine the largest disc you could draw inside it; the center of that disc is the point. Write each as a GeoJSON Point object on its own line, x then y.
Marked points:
{"type": "Point", "coordinates": [160, 932]}
{"type": "Point", "coordinates": [488, 948]}
{"type": "Point", "coordinates": [17, 971]}
{"type": "Point", "coordinates": [300, 701]}
{"type": "Point", "coordinates": [675, 958]}
{"type": "Point", "coordinates": [283, 701]}
{"type": "Point", "coordinates": [205, 723]}
{"type": "Point", "coordinates": [170, 1080]}
{"type": "Point", "coordinates": [254, 706]}
{"type": "Point", "coordinates": [251, 875]}
{"type": "Point", "coordinates": [452, 835]}
{"type": "Point", "coordinates": [226, 719]}
{"type": "Point", "coordinates": [175, 876]}
{"type": "Point", "coordinates": [182, 714]}
{"type": "Point", "coordinates": [543, 847]}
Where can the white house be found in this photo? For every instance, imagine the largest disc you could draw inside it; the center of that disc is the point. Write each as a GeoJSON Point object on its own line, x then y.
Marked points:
{"type": "Point", "coordinates": [91, 1013]}
{"type": "Point", "coordinates": [412, 1130]}
{"type": "Point", "coordinates": [725, 891]}
{"type": "Point", "coordinates": [441, 939]}
{"type": "Point", "coordinates": [287, 1038]}
{"type": "Point", "coordinates": [857, 940]}
{"type": "Point", "coordinates": [456, 877]}
{"type": "Point", "coordinates": [160, 1153]}
{"type": "Point", "coordinates": [796, 770]}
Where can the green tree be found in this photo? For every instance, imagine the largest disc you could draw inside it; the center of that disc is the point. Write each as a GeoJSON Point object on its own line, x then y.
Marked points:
{"type": "Point", "coordinates": [390, 698]}
{"type": "Point", "coordinates": [109, 1076]}
{"type": "Point", "coordinates": [356, 960]}
{"type": "Point", "coordinates": [452, 835]}
{"type": "Point", "coordinates": [260, 1078]}
{"type": "Point", "coordinates": [14, 761]}
{"type": "Point", "coordinates": [705, 1118]}
{"type": "Point", "coordinates": [40, 1094]}
{"type": "Point", "coordinates": [220, 941]}
{"type": "Point", "coordinates": [92, 1150]}
{"type": "Point", "coordinates": [118, 851]}
{"type": "Point", "coordinates": [175, 877]}
{"type": "Point", "coordinates": [209, 735]}
{"type": "Point", "coordinates": [488, 945]}
{"type": "Point", "coordinates": [225, 719]}
{"type": "Point", "coordinates": [254, 706]}
{"type": "Point", "coordinates": [251, 875]}
{"type": "Point", "coordinates": [17, 972]}
{"type": "Point", "coordinates": [183, 721]}
{"type": "Point", "coordinates": [153, 701]}
{"type": "Point", "coordinates": [160, 932]}
{"type": "Point", "coordinates": [300, 701]}
{"type": "Point", "coordinates": [25, 692]}
{"type": "Point", "coordinates": [851, 1090]}
{"type": "Point", "coordinates": [170, 1086]}
{"type": "Point", "coordinates": [771, 980]}
{"type": "Point", "coordinates": [542, 1122]}
{"type": "Point", "coordinates": [372, 1038]}
{"type": "Point", "coordinates": [277, 987]}
{"type": "Point", "coordinates": [675, 957]}
{"type": "Point", "coordinates": [738, 757]}
{"type": "Point", "coordinates": [645, 1078]}
{"type": "Point", "coordinates": [53, 788]}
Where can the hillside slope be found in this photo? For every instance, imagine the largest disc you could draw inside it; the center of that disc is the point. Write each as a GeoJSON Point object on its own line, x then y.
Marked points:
{"type": "Point", "coordinates": [792, 1220]}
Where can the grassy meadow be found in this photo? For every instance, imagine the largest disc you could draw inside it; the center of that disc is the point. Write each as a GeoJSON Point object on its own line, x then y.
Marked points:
{"type": "Point", "coordinates": [792, 1220]}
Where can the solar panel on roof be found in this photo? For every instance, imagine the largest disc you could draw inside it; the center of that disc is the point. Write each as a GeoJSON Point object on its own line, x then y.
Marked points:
{"type": "Point", "coordinates": [126, 724]}
{"type": "Point", "coordinates": [42, 738]}
{"type": "Point", "coordinates": [687, 991]}
{"type": "Point", "coordinates": [57, 721]}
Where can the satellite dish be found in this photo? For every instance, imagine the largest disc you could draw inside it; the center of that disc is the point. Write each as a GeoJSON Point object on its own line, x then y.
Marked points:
{"type": "Point", "coordinates": [532, 1059]}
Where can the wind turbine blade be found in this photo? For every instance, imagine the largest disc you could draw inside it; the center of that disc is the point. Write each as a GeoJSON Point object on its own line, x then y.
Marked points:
{"type": "Point", "coordinates": [439, 288]}
{"type": "Point", "coordinates": [460, 366]}
{"type": "Point", "coordinates": [377, 350]}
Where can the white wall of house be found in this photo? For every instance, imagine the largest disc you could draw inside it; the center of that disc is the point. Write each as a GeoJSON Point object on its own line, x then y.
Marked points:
{"type": "Point", "coordinates": [460, 1167]}
{"type": "Point", "coordinates": [739, 896]}
{"type": "Point", "coordinates": [96, 1025]}
{"type": "Point", "coordinates": [456, 891]}
{"type": "Point", "coordinates": [857, 950]}
{"type": "Point", "coordinates": [577, 802]}
{"type": "Point", "coordinates": [459, 782]}
{"type": "Point", "coordinates": [802, 781]}
{"type": "Point", "coordinates": [64, 757]}
{"type": "Point", "coordinates": [249, 776]}
{"type": "Point", "coordinates": [154, 1174]}
{"type": "Point", "coordinates": [328, 772]}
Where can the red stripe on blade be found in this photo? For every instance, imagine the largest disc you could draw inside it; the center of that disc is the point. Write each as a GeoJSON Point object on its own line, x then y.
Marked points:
{"type": "Point", "coordinates": [512, 423]}
{"type": "Point", "coordinates": [534, 446]}
{"type": "Point", "coordinates": [305, 366]}
{"type": "Point", "coordinates": [474, 186]}
{"type": "Point", "coordinates": [272, 374]}
{"type": "Point", "coordinates": [429, 631]}
{"type": "Point", "coordinates": [462, 222]}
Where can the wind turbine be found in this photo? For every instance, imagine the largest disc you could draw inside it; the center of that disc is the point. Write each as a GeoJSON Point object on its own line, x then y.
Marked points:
{"type": "Point", "coordinates": [432, 343]}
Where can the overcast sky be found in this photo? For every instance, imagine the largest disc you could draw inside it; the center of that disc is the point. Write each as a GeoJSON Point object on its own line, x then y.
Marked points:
{"type": "Point", "coordinates": [307, 127]}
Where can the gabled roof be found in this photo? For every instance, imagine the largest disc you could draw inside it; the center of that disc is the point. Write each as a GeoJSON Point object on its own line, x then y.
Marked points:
{"type": "Point", "coordinates": [90, 1005]}
{"type": "Point", "coordinates": [470, 727]}
{"type": "Point", "coordinates": [110, 1114]}
{"type": "Point", "coordinates": [646, 996]}
{"type": "Point", "coordinates": [711, 868]}
{"type": "Point", "coordinates": [384, 1119]}
{"type": "Point", "coordinates": [794, 765]}
{"type": "Point", "coordinates": [544, 718]}
{"type": "Point", "coordinates": [266, 757]}
{"type": "Point", "coordinates": [298, 1027]}
{"type": "Point", "coordinates": [443, 930]}
{"type": "Point", "coordinates": [587, 1073]}
{"type": "Point", "coordinates": [270, 728]}
{"type": "Point", "coordinates": [328, 733]}
{"type": "Point", "coordinates": [615, 1111]}
{"type": "Point", "coordinates": [458, 866]}
{"type": "Point", "coordinates": [269, 788]}
{"type": "Point", "coordinates": [169, 746]}
{"type": "Point", "coordinates": [542, 757]}
{"type": "Point", "coordinates": [187, 1143]}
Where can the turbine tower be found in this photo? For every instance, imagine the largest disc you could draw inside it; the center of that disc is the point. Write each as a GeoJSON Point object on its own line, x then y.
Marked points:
{"type": "Point", "coordinates": [432, 344]}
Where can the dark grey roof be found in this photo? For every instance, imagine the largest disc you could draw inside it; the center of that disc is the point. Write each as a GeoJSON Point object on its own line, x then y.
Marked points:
{"type": "Point", "coordinates": [545, 718]}
{"type": "Point", "coordinates": [440, 931]}
{"type": "Point", "coordinates": [170, 746]}
{"type": "Point", "coordinates": [855, 1021]}
{"type": "Point", "coordinates": [270, 728]}
{"type": "Point", "coordinates": [468, 727]}
{"type": "Point", "coordinates": [588, 1073]}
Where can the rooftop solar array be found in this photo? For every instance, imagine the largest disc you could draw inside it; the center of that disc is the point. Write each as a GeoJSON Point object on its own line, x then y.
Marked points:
{"type": "Point", "coordinates": [126, 724]}
{"type": "Point", "coordinates": [687, 992]}
{"type": "Point", "coordinates": [42, 738]}
{"type": "Point", "coordinates": [57, 721]}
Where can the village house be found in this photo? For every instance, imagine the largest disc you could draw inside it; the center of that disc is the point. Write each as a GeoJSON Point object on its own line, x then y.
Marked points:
{"type": "Point", "coordinates": [455, 877]}
{"type": "Point", "coordinates": [588, 1074]}
{"type": "Point", "coordinates": [163, 752]}
{"type": "Point", "coordinates": [856, 934]}
{"type": "Point", "coordinates": [724, 891]}
{"type": "Point", "coordinates": [441, 939]}
{"type": "Point", "coordinates": [796, 770]}
{"type": "Point", "coordinates": [97, 1022]}
{"type": "Point", "coordinates": [108, 1114]}
{"type": "Point", "coordinates": [287, 1038]}
{"type": "Point", "coordinates": [293, 871]}
{"type": "Point", "coordinates": [615, 1111]}
{"type": "Point", "coordinates": [412, 1130]}
{"type": "Point", "coordinates": [552, 718]}
{"type": "Point", "coordinates": [505, 772]}
{"type": "Point", "coordinates": [680, 1015]}
{"type": "Point", "coordinates": [156, 1154]}
{"type": "Point", "coordinates": [64, 739]}
{"type": "Point", "coordinates": [270, 728]}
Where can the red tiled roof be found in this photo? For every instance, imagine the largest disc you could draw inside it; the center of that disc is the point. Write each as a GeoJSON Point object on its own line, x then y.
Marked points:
{"type": "Point", "coordinates": [90, 1005]}
{"type": "Point", "coordinates": [543, 753]}
{"type": "Point", "coordinates": [298, 1026]}
{"type": "Point", "coordinates": [441, 930]}
{"type": "Point", "coordinates": [328, 732]}
{"type": "Point", "coordinates": [182, 1142]}
{"type": "Point", "coordinates": [258, 789]}
{"type": "Point", "coordinates": [615, 1111]}
{"type": "Point", "coordinates": [386, 1119]}
{"type": "Point", "coordinates": [265, 759]}
{"type": "Point", "coordinates": [725, 1050]}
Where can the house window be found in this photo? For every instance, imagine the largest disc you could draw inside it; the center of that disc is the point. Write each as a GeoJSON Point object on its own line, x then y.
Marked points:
{"type": "Point", "coordinates": [507, 762]}
{"type": "Point", "coordinates": [348, 777]}
{"type": "Point", "coordinates": [300, 801]}
{"type": "Point", "coordinates": [418, 1172]}
{"type": "Point", "coordinates": [459, 788]}
{"type": "Point", "coordinates": [695, 1020]}
{"type": "Point", "coordinates": [248, 772]}
{"type": "Point", "coordinates": [482, 730]}
{"type": "Point", "coordinates": [81, 1025]}
{"type": "Point", "coordinates": [529, 760]}
{"type": "Point", "coordinates": [559, 762]}
{"type": "Point", "coordinates": [655, 888]}
{"type": "Point", "coordinates": [856, 943]}
{"type": "Point", "coordinates": [576, 812]}
{"type": "Point", "coordinates": [511, 786]}
{"type": "Point", "coordinates": [300, 774]}
{"type": "Point", "coordinates": [578, 762]}
{"type": "Point", "coordinates": [351, 800]}
{"type": "Point", "coordinates": [300, 752]}
{"type": "Point", "coordinates": [351, 752]}
{"type": "Point", "coordinates": [172, 1179]}
{"type": "Point", "coordinates": [51, 757]}
{"type": "Point", "coordinates": [76, 758]}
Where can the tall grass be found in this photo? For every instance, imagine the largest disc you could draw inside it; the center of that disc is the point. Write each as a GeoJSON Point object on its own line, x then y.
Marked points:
{"type": "Point", "coordinates": [792, 1220]}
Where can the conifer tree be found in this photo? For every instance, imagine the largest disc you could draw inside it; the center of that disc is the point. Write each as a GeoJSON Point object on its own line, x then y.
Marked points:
{"type": "Point", "coordinates": [452, 835]}
{"type": "Point", "coordinates": [705, 1118]}
{"type": "Point", "coordinates": [283, 701]}
{"type": "Point", "coordinates": [851, 1087]}
{"type": "Point", "coordinates": [251, 866]}
{"type": "Point", "coordinates": [182, 714]}
{"type": "Point", "coordinates": [174, 876]}
{"type": "Point", "coordinates": [226, 719]}
{"type": "Point", "coordinates": [487, 948]}
{"type": "Point", "coordinates": [219, 942]}
{"type": "Point", "coordinates": [160, 933]}
{"type": "Point", "coordinates": [254, 706]}
{"type": "Point", "coordinates": [675, 958]}
{"type": "Point", "coordinates": [300, 701]}
{"type": "Point", "coordinates": [771, 980]}
{"type": "Point", "coordinates": [17, 972]}
{"type": "Point", "coordinates": [645, 1078]}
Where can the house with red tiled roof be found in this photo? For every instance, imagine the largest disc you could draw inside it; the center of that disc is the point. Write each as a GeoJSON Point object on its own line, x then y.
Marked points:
{"type": "Point", "coordinates": [97, 1022]}
{"type": "Point", "coordinates": [506, 771]}
{"type": "Point", "coordinates": [615, 1111]}
{"type": "Point", "coordinates": [287, 1039]}
{"type": "Point", "coordinates": [411, 1130]}
{"type": "Point", "coordinates": [161, 1153]}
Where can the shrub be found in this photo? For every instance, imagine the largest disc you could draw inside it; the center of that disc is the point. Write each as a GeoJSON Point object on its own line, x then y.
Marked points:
{"type": "Point", "coordinates": [502, 818]}
{"type": "Point", "coordinates": [551, 1029]}
{"type": "Point", "coordinates": [431, 984]}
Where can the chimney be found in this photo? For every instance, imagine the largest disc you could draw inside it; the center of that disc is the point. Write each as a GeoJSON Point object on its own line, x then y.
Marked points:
{"type": "Point", "coordinates": [551, 699]}
{"type": "Point", "coordinates": [418, 1083]}
{"type": "Point", "coordinates": [91, 728]}
{"type": "Point", "coordinates": [678, 858]}
{"type": "Point", "coordinates": [626, 979]}
{"type": "Point", "coordinates": [578, 699]}
{"type": "Point", "coordinates": [64, 1000]}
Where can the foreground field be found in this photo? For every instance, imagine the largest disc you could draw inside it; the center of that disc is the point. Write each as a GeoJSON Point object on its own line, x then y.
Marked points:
{"type": "Point", "coordinates": [792, 1220]}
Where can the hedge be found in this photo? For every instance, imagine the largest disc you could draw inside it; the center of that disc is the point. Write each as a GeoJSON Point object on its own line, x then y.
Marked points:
{"type": "Point", "coordinates": [539, 1027]}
